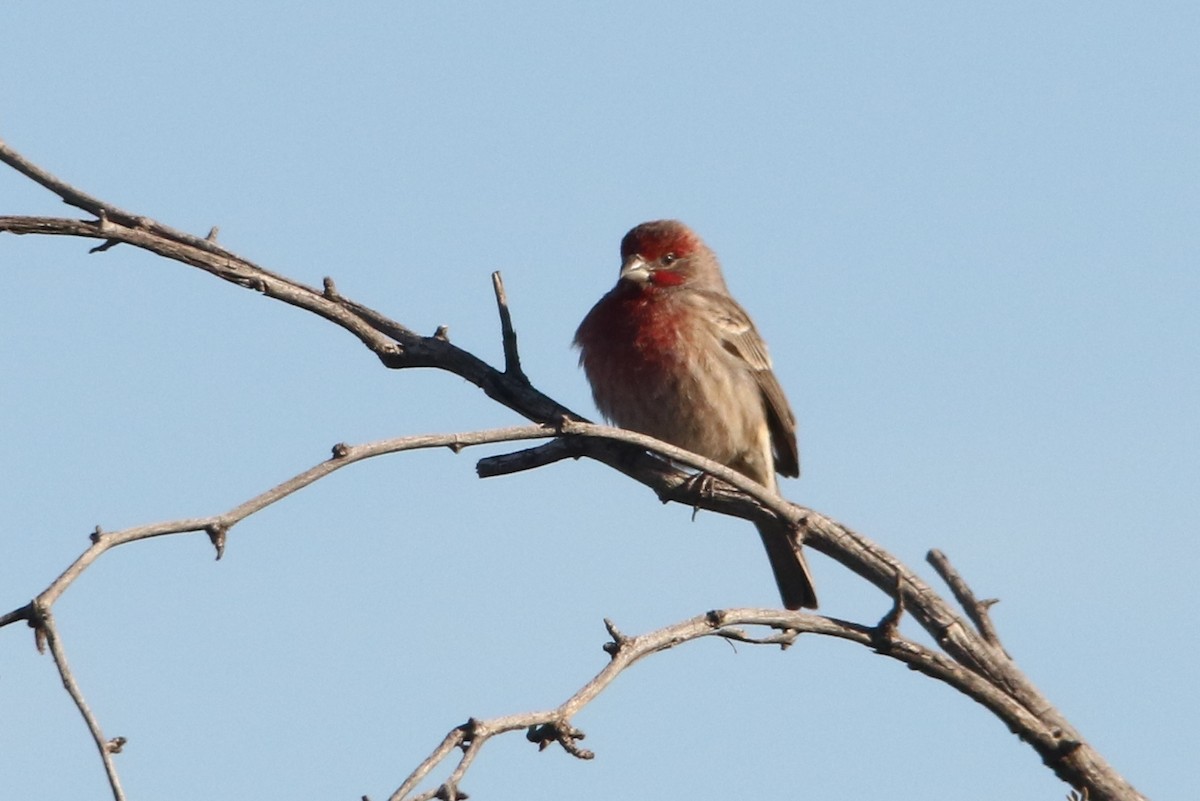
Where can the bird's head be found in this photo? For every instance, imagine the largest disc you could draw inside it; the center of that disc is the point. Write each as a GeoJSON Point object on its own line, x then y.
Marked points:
{"type": "Point", "coordinates": [666, 253]}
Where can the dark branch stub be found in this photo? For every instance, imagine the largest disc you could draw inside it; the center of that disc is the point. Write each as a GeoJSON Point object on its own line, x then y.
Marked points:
{"type": "Point", "coordinates": [884, 632]}
{"type": "Point", "coordinates": [469, 731]}
{"type": "Point", "coordinates": [37, 622]}
{"type": "Point", "coordinates": [450, 792]}
{"type": "Point", "coordinates": [619, 640]}
{"type": "Point", "coordinates": [217, 534]}
{"type": "Point", "coordinates": [105, 245]}
{"type": "Point", "coordinates": [508, 334]}
{"type": "Point", "coordinates": [562, 733]}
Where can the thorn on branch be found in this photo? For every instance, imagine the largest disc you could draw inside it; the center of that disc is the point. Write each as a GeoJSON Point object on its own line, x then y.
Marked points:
{"type": "Point", "coordinates": [212, 234]}
{"type": "Point", "coordinates": [330, 292]}
{"type": "Point", "coordinates": [115, 745]}
{"type": "Point", "coordinates": [96, 534]}
{"type": "Point", "coordinates": [341, 450]}
{"type": "Point", "coordinates": [442, 333]}
{"type": "Point", "coordinates": [216, 535]}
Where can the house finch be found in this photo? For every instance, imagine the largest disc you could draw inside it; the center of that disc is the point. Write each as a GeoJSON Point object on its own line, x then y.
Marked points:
{"type": "Point", "coordinates": [670, 353]}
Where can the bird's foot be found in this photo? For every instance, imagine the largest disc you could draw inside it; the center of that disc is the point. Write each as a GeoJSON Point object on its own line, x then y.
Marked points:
{"type": "Point", "coordinates": [702, 484]}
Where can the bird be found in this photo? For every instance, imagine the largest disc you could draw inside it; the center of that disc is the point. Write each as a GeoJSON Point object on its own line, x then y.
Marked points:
{"type": "Point", "coordinates": [669, 353]}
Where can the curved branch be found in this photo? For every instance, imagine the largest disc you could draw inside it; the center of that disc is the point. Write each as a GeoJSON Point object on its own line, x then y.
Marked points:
{"type": "Point", "coordinates": [554, 725]}
{"type": "Point", "coordinates": [217, 526]}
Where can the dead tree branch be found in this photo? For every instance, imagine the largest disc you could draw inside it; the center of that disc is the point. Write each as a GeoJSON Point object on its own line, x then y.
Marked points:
{"type": "Point", "coordinates": [971, 659]}
{"type": "Point", "coordinates": [47, 631]}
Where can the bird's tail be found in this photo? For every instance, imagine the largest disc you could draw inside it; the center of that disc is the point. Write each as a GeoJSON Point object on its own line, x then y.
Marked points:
{"type": "Point", "coordinates": [787, 563]}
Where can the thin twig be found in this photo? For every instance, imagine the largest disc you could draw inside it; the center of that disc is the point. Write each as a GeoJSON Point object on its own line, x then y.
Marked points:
{"type": "Point", "coordinates": [344, 455]}
{"type": "Point", "coordinates": [508, 335]}
{"type": "Point", "coordinates": [105, 211]}
{"type": "Point", "coordinates": [976, 610]}
{"type": "Point", "coordinates": [451, 741]}
{"type": "Point", "coordinates": [45, 622]}
{"type": "Point", "coordinates": [554, 725]}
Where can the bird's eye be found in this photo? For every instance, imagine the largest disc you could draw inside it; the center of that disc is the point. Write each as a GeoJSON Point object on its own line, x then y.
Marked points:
{"type": "Point", "coordinates": [669, 258]}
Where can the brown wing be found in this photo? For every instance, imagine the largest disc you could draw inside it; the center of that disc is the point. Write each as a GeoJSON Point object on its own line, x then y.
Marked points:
{"type": "Point", "coordinates": [741, 338]}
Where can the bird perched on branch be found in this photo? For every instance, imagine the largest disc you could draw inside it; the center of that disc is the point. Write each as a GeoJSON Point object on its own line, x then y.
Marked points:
{"type": "Point", "coordinates": [671, 354]}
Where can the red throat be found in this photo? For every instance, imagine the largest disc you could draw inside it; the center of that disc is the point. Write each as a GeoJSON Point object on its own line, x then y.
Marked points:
{"type": "Point", "coordinates": [625, 334]}
{"type": "Point", "coordinates": [667, 278]}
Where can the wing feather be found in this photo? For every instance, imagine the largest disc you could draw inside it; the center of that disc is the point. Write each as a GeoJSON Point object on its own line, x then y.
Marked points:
{"type": "Point", "coordinates": [740, 338]}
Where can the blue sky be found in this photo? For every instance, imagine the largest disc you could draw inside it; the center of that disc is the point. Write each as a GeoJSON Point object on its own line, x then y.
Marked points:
{"type": "Point", "coordinates": [968, 234]}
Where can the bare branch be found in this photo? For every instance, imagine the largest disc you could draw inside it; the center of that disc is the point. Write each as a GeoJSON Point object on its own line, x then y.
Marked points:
{"type": "Point", "coordinates": [554, 725]}
{"type": "Point", "coordinates": [218, 526]}
{"type": "Point", "coordinates": [973, 662]}
{"type": "Point", "coordinates": [106, 212]}
{"type": "Point", "coordinates": [20, 613]}
{"type": "Point", "coordinates": [975, 609]}
{"type": "Point", "coordinates": [44, 620]}
{"type": "Point", "coordinates": [508, 335]}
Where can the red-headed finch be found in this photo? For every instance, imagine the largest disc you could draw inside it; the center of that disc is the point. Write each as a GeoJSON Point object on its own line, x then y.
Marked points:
{"type": "Point", "coordinates": [670, 353]}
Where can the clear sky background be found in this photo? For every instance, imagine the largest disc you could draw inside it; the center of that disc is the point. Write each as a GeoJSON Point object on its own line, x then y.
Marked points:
{"type": "Point", "coordinates": [968, 232]}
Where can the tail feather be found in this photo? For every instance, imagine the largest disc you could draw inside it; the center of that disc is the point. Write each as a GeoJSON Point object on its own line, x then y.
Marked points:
{"type": "Point", "coordinates": [787, 563]}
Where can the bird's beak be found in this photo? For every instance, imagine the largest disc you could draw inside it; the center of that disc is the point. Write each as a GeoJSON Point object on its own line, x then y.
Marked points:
{"type": "Point", "coordinates": [635, 269]}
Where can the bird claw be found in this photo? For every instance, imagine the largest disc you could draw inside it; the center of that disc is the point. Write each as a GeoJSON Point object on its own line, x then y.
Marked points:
{"type": "Point", "coordinates": [703, 484]}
